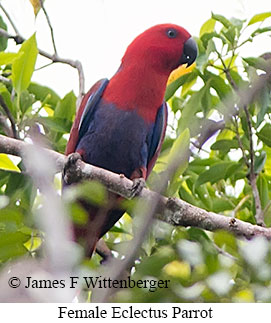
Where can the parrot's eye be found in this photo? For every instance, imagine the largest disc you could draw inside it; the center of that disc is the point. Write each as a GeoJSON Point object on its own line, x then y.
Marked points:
{"type": "Point", "coordinates": [172, 33]}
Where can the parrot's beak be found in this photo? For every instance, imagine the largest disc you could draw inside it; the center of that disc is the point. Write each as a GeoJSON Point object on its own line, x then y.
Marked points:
{"type": "Point", "coordinates": [190, 52]}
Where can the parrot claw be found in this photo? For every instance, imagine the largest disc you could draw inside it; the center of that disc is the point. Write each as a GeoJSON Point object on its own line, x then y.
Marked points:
{"type": "Point", "coordinates": [138, 185]}
{"type": "Point", "coordinates": [71, 170]}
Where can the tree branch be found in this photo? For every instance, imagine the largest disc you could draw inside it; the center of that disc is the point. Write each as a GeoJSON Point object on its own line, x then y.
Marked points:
{"type": "Point", "coordinates": [173, 211]}
{"type": "Point", "coordinates": [17, 38]}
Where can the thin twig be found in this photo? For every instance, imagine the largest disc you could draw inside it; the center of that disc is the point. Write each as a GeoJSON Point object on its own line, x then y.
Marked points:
{"type": "Point", "coordinates": [10, 117]}
{"type": "Point", "coordinates": [49, 24]}
{"type": "Point", "coordinates": [55, 59]}
{"type": "Point", "coordinates": [240, 204]}
{"type": "Point", "coordinates": [5, 126]}
{"type": "Point", "coordinates": [43, 66]}
{"type": "Point", "coordinates": [226, 70]}
{"type": "Point", "coordinates": [9, 19]}
{"type": "Point", "coordinates": [252, 175]}
{"type": "Point", "coordinates": [235, 122]}
{"type": "Point", "coordinates": [225, 253]}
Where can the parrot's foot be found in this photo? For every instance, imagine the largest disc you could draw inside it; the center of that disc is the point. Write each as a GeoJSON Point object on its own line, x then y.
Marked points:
{"type": "Point", "coordinates": [138, 185]}
{"type": "Point", "coordinates": [71, 171]}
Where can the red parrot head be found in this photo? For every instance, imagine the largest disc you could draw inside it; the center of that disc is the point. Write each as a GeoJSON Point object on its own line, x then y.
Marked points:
{"type": "Point", "coordinates": [163, 47]}
{"type": "Point", "coordinates": [141, 80]}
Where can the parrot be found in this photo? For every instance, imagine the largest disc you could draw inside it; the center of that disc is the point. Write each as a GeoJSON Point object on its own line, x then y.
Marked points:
{"type": "Point", "coordinates": [121, 123]}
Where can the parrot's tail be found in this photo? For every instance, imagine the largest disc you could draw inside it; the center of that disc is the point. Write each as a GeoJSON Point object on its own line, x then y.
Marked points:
{"type": "Point", "coordinates": [100, 220]}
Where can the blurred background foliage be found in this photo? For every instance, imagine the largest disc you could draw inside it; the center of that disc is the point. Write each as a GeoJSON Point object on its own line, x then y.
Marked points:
{"type": "Point", "coordinates": [201, 266]}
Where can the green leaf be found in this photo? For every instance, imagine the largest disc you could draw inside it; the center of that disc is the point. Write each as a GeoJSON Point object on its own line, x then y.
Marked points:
{"type": "Point", "coordinates": [11, 239]}
{"type": "Point", "coordinates": [41, 93]}
{"type": "Point", "coordinates": [26, 101]}
{"type": "Point", "coordinates": [7, 164]}
{"type": "Point", "coordinates": [8, 58]}
{"type": "Point", "coordinates": [93, 192]}
{"type": "Point", "coordinates": [224, 21]}
{"type": "Point", "coordinates": [203, 162]}
{"type": "Point", "coordinates": [66, 108]}
{"type": "Point", "coordinates": [176, 104]}
{"type": "Point", "coordinates": [224, 238]}
{"type": "Point", "coordinates": [7, 98]}
{"type": "Point", "coordinates": [206, 100]}
{"type": "Point", "coordinates": [259, 17]}
{"type": "Point", "coordinates": [210, 36]}
{"type": "Point", "coordinates": [233, 169]}
{"type": "Point", "coordinates": [259, 162]}
{"type": "Point", "coordinates": [180, 148]}
{"type": "Point", "coordinates": [262, 186]}
{"type": "Point", "coordinates": [155, 263]}
{"type": "Point", "coordinates": [23, 66]}
{"type": "Point", "coordinates": [238, 23]}
{"type": "Point", "coordinates": [173, 87]}
{"type": "Point", "coordinates": [215, 173]}
{"type": "Point", "coordinates": [217, 83]}
{"type": "Point", "coordinates": [221, 205]}
{"type": "Point", "coordinates": [230, 34]}
{"type": "Point", "coordinates": [119, 230]}
{"type": "Point", "coordinates": [78, 214]}
{"type": "Point", "coordinates": [225, 145]}
{"type": "Point", "coordinates": [265, 134]}
{"type": "Point", "coordinates": [238, 79]}
{"type": "Point", "coordinates": [12, 245]}
{"type": "Point", "coordinates": [4, 201]}
{"type": "Point", "coordinates": [55, 124]}
{"type": "Point", "coordinates": [3, 40]}
{"type": "Point", "coordinates": [188, 85]}
{"type": "Point", "coordinates": [20, 187]}
{"type": "Point", "coordinates": [4, 177]}
{"type": "Point", "coordinates": [207, 27]}
{"type": "Point", "coordinates": [193, 105]}
{"type": "Point", "coordinates": [245, 126]}
{"type": "Point", "coordinates": [11, 219]}
{"type": "Point", "coordinates": [186, 196]}
{"type": "Point", "coordinates": [260, 31]}
{"type": "Point", "coordinates": [204, 196]}
{"type": "Point", "coordinates": [206, 46]}
{"type": "Point", "coordinates": [225, 134]}
{"type": "Point", "coordinates": [257, 62]}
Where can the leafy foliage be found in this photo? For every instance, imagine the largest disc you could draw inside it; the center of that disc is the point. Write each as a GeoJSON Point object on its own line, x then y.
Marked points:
{"type": "Point", "coordinates": [201, 266]}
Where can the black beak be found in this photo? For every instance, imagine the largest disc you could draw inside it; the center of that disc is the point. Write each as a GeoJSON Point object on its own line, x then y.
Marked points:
{"type": "Point", "coordinates": [190, 52]}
